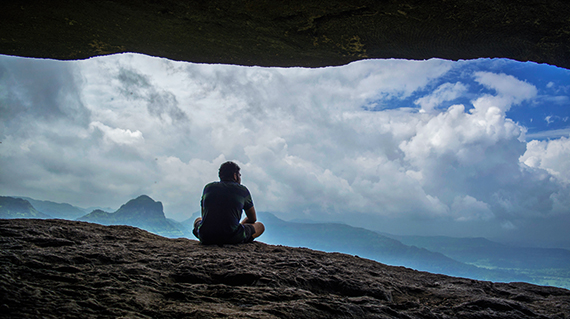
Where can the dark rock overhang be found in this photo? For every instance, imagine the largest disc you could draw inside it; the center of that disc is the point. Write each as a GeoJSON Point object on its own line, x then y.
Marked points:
{"type": "Point", "coordinates": [307, 33]}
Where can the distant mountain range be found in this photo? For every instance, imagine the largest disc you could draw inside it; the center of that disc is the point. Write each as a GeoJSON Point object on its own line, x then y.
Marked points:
{"type": "Point", "coordinates": [334, 237]}
{"type": "Point", "coordinates": [11, 207]}
{"type": "Point", "coordinates": [486, 253]}
{"type": "Point", "coordinates": [56, 210]}
{"type": "Point", "coordinates": [475, 258]}
{"type": "Point", "coordinates": [142, 212]}
{"type": "Point", "coordinates": [544, 266]}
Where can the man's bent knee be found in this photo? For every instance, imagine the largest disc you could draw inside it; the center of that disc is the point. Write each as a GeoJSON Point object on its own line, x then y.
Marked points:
{"type": "Point", "coordinates": [259, 229]}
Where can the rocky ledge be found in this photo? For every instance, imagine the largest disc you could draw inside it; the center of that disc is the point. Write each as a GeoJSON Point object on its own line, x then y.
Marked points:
{"type": "Point", "coordinates": [59, 268]}
{"type": "Point", "coordinates": [310, 33]}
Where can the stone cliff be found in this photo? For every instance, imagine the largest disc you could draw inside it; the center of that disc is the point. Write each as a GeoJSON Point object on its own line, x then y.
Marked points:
{"type": "Point", "coordinates": [69, 269]}
{"type": "Point", "coordinates": [309, 33]}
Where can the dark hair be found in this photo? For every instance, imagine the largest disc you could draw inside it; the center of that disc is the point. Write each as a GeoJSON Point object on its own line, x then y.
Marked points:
{"type": "Point", "coordinates": [227, 171]}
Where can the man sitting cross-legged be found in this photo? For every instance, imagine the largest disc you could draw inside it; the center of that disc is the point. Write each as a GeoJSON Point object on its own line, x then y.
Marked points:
{"type": "Point", "coordinates": [222, 204]}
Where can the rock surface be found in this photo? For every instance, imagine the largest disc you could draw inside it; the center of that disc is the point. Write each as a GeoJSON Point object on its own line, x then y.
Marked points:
{"type": "Point", "coordinates": [309, 33]}
{"type": "Point", "coordinates": [59, 269]}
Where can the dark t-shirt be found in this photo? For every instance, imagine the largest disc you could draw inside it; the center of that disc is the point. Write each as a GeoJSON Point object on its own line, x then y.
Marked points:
{"type": "Point", "coordinates": [222, 204]}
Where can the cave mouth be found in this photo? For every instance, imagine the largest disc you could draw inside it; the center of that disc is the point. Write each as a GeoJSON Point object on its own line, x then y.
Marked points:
{"type": "Point", "coordinates": [451, 134]}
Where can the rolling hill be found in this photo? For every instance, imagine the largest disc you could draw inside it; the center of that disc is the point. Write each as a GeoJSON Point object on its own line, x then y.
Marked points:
{"type": "Point", "coordinates": [334, 237]}
{"type": "Point", "coordinates": [11, 207]}
{"type": "Point", "coordinates": [546, 266]}
{"type": "Point", "coordinates": [56, 210]}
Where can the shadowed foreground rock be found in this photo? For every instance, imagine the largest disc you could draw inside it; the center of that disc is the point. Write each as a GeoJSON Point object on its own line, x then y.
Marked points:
{"type": "Point", "coordinates": [58, 268]}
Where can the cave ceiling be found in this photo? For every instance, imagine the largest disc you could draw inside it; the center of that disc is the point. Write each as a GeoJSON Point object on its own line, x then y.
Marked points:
{"type": "Point", "coordinates": [308, 33]}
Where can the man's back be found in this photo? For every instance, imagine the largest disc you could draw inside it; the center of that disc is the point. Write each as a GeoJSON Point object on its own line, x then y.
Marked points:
{"type": "Point", "coordinates": [222, 204]}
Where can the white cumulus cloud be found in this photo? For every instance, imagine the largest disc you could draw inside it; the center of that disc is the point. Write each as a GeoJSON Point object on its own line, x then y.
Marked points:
{"type": "Point", "coordinates": [552, 156]}
{"type": "Point", "coordinates": [445, 92]}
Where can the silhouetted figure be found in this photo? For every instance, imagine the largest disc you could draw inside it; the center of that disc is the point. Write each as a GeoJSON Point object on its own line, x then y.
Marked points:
{"type": "Point", "coordinates": [222, 204]}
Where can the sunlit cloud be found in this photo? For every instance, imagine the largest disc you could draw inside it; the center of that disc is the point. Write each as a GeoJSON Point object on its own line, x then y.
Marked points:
{"type": "Point", "coordinates": [445, 92]}
{"type": "Point", "coordinates": [552, 156]}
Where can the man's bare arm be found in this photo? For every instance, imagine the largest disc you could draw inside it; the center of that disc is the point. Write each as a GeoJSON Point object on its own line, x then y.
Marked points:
{"type": "Point", "coordinates": [251, 219]}
{"type": "Point", "coordinates": [251, 216]}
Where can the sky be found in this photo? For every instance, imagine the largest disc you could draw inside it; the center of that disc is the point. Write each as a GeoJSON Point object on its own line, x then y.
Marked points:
{"type": "Point", "coordinates": [476, 148]}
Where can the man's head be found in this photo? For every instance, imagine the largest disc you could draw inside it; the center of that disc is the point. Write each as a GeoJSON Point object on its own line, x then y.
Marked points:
{"type": "Point", "coordinates": [229, 172]}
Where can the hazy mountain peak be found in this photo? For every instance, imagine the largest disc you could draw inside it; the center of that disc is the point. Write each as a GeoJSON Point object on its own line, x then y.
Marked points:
{"type": "Point", "coordinates": [11, 207]}
{"type": "Point", "coordinates": [143, 212]}
{"type": "Point", "coordinates": [141, 207]}
{"type": "Point", "coordinates": [143, 198]}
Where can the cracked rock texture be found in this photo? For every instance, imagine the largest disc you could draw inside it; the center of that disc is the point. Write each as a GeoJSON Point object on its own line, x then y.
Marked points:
{"type": "Point", "coordinates": [310, 33]}
{"type": "Point", "coordinates": [69, 269]}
